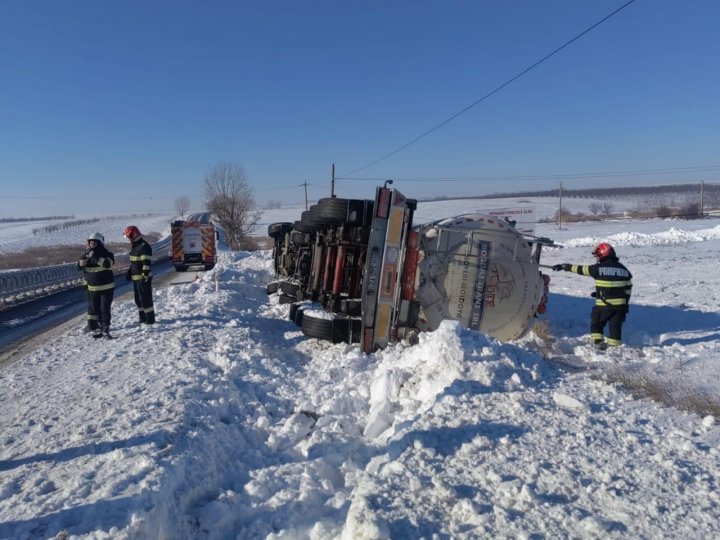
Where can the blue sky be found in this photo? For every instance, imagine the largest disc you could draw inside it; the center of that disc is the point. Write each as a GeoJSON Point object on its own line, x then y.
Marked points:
{"type": "Point", "coordinates": [124, 106]}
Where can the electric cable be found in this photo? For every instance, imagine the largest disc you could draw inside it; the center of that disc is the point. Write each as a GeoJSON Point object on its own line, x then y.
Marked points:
{"type": "Point", "coordinates": [497, 89]}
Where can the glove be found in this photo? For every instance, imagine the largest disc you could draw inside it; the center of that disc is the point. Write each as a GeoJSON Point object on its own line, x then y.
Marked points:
{"type": "Point", "coordinates": [145, 277]}
{"type": "Point", "coordinates": [593, 294]}
{"type": "Point", "coordinates": [128, 276]}
{"type": "Point", "coordinates": [558, 267]}
{"type": "Point", "coordinates": [82, 263]}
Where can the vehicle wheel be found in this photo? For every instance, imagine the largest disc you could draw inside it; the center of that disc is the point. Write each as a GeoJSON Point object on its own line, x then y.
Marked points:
{"type": "Point", "coordinates": [299, 316]}
{"type": "Point", "coordinates": [332, 210]}
{"type": "Point", "coordinates": [293, 311]}
{"type": "Point", "coordinates": [290, 288]}
{"type": "Point", "coordinates": [209, 267]}
{"type": "Point", "coordinates": [277, 230]}
{"type": "Point", "coordinates": [296, 312]}
{"type": "Point", "coordinates": [285, 299]}
{"type": "Point", "coordinates": [307, 226]}
{"type": "Point", "coordinates": [272, 287]}
{"type": "Point", "coordinates": [181, 268]}
{"type": "Point", "coordinates": [335, 330]}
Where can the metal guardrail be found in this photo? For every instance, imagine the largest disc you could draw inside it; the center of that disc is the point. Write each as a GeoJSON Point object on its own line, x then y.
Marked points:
{"type": "Point", "coordinates": [20, 286]}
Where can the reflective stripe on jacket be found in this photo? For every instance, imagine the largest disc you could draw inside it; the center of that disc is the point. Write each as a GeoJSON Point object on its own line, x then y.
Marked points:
{"type": "Point", "coordinates": [613, 282]}
{"type": "Point", "coordinates": [98, 272]}
{"type": "Point", "coordinates": [140, 260]}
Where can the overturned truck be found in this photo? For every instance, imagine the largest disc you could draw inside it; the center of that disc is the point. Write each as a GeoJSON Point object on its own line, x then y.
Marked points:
{"type": "Point", "coordinates": [358, 271]}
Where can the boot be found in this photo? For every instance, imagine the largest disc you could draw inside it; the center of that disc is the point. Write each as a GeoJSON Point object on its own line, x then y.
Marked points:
{"type": "Point", "coordinates": [150, 317]}
{"type": "Point", "coordinates": [106, 332]}
{"type": "Point", "coordinates": [90, 327]}
{"type": "Point", "coordinates": [141, 316]}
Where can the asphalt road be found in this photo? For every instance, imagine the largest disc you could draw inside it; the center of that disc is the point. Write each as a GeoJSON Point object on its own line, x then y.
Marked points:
{"type": "Point", "coordinates": [21, 324]}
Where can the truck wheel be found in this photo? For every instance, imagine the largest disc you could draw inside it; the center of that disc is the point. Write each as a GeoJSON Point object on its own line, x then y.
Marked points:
{"type": "Point", "coordinates": [332, 210]}
{"type": "Point", "coordinates": [209, 267]}
{"type": "Point", "coordinates": [276, 230]}
{"type": "Point", "coordinates": [272, 287]}
{"type": "Point", "coordinates": [181, 268]}
{"type": "Point", "coordinates": [296, 312]}
{"type": "Point", "coordinates": [335, 330]}
{"type": "Point", "coordinates": [289, 288]}
{"type": "Point", "coordinates": [306, 226]}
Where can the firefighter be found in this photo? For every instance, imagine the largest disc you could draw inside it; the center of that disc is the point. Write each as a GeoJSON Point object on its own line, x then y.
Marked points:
{"type": "Point", "coordinates": [140, 273]}
{"type": "Point", "coordinates": [613, 285]}
{"type": "Point", "coordinates": [97, 263]}
{"type": "Point", "coordinates": [92, 323]}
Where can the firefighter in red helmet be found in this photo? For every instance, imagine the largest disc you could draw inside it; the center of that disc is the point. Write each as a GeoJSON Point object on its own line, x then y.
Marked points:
{"type": "Point", "coordinates": [140, 273]}
{"type": "Point", "coordinates": [613, 285]}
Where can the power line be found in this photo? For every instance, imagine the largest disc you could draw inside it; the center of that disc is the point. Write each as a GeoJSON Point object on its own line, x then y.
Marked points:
{"type": "Point", "coordinates": [503, 85]}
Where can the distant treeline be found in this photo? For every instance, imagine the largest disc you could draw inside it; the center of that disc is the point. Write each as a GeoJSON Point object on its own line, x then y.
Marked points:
{"type": "Point", "coordinates": [20, 220]}
{"type": "Point", "coordinates": [64, 225]}
{"type": "Point", "coordinates": [711, 191]}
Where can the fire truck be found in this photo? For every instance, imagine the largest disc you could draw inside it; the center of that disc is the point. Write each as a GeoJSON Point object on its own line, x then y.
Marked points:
{"type": "Point", "coordinates": [192, 244]}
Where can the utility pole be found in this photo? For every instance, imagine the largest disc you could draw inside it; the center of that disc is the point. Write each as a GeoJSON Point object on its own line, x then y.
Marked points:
{"type": "Point", "coordinates": [702, 208]}
{"type": "Point", "coordinates": [560, 210]}
{"type": "Point", "coordinates": [332, 182]}
{"type": "Point", "coordinates": [306, 185]}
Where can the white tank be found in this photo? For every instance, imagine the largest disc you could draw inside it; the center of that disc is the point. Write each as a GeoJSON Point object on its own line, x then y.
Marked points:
{"type": "Point", "coordinates": [480, 271]}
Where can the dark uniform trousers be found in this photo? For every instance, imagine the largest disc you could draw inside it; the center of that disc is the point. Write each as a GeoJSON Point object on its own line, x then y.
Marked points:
{"type": "Point", "coordinates": [144, 301]}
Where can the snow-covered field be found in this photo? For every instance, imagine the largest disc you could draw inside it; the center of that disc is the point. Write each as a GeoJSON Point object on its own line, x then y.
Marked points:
{"type": "Point", "coordinates": [15, 237]}
{"type": "Point", "coordinates": [224, 421]}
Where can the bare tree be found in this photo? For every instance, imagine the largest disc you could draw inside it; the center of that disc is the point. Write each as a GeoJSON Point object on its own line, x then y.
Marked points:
{"type": "Point", "coordinates": [229, 198]}
{"type": "Point", "coordinates": [595, 208]}
{"type": "Point", "coordinates": [607, 208]}
{"type": "Point", "coordinates": [182, 205]}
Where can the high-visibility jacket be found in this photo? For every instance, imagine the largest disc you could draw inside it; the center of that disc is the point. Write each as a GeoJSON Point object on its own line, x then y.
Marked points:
{"type": "Point", "coordinates": [98, 271]}
{"type": "Point", "coordinates": [613, 282]}
{"type": "Point", "coordinates": [140, 260]}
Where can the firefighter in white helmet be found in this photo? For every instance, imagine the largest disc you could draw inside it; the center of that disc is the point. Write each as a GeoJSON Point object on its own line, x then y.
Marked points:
{"type": "Point", "coordinates": [97, 265]}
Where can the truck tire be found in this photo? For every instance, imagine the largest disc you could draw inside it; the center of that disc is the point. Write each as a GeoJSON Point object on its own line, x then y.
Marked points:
{"type": "Point", "coordinates": [272, 287]}
{"type": "Point", "coordinates": [285, 299]}
{"type": "Point", "coordinates": [277, 230]}
{"type": "Point", "coordinates": [333, 210]}
{"type": "Point", "coordinates": [293, 311]}
{"type": "Point", "coordinates": [296, 312]}
{"type": "Point", "coordinates": [307, 226]}
{"type": "Point", "coordinates": [181, 268]}
{"type": "Point", "coordinates": [289, 288]}
{"type": "Point", "coordinates": [335, 330]}
{"type": "Point", "coordinates": [299, 316]}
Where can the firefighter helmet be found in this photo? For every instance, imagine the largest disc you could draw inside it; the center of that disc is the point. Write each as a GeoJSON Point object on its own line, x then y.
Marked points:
{"type": "Point", "coordinates": [131, 232]}
{"type": "Point", "coordinates": [97, 237]}
{"type": "Point", "coordinates": [603, 250]}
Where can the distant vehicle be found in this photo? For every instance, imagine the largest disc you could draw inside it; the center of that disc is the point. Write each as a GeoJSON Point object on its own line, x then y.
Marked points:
{"type": "Point", "coordinates": [358, 271]}
{"type": "Point", "coordinates": [192, 244]}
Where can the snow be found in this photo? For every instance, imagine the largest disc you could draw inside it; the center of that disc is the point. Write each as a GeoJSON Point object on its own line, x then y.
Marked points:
{"type": "Point", "coordinates": [17, 236]}
{"type": "Point", "coordinates": [224, 421]}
